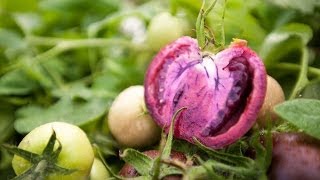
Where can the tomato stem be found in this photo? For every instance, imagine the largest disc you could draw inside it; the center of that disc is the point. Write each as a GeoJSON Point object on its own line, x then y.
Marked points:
{"type": "Point", "coordinates": [302, 78]}
{"type": "Point", "coordinates": [200, 24]}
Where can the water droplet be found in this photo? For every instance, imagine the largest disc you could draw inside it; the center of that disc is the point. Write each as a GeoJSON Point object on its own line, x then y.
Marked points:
{"type": "Point", "coordinates": [161, 90]}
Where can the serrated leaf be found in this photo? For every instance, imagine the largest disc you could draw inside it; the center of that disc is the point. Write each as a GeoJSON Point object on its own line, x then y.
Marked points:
{"type": "Point", "coordinates": [231, 159]}
{"type": "Point", "coordinates": [283, 41]}
{"type": "Point", "coordinates": [303, 113]}
{"type": "Point", "coordinates": [141, 162]}
{"type": "Point", "coordinates": [65, 110]}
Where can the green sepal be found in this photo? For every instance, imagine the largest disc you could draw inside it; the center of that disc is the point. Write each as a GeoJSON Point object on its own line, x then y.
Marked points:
{"type": "Point", "coordinates": [141, 162]}
{"type": "Point", "coordinates": [27, 155]}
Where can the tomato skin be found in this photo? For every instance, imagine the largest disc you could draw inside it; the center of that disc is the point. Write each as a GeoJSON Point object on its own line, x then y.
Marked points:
{"type": "Point", "coordinates": [128, 122]}
{"type": "Point", "coordinates": [76, 153]}
{"type": "Point", "coordinates": [163, 29]}
{"type": "Point", "coordinates": [98, 171]}
{"type": "Point", "coordinates": [274, 96]}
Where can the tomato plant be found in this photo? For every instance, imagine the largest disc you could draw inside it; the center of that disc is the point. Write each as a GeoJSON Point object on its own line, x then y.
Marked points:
{"type": "Point", "coordinates": [71, 61]}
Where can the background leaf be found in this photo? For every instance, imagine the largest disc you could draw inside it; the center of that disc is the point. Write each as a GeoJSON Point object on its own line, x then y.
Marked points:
{"type": "Point", "coordinates": [16, 83]}
{"type": "Point", "coordinates": [303, 113]}
{"type": "Point", "coordinates": [311, 91]}
{"type": "Point", "coordinates": [283, 41]}
{"type": "Point", "coordinates": [65, 110]}
{"type": "Point", "coordinates": [305, 6]}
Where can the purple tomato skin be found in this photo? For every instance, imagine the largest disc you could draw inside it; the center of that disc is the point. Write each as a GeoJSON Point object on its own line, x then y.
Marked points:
{"type": "Point", "coordinates": [295, 156]}
{"type": "Point", "coordinates": [223, 93]}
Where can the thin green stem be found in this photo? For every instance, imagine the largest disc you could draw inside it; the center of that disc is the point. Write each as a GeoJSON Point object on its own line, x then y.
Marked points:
{"type": "Point", "coordinates": [62, 45]}
{"type": "Point", "coordinates": [223, 39]}
{"type": "Point", "coordinates": [200, 24]}
{"type": "Point", "coordinates": [302, 79]}
{"type": "Point", "coordinates": [206, 12]}
{"type": "Point", "coordinates": [312, 71]}
{"type": "Point", "coordinates": [94, 28]}
{"type": "Point", "coordinates": [43, 41]}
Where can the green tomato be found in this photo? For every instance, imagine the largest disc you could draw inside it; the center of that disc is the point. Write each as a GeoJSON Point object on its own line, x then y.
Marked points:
{"type": "Point", "coordinates": [98, 171]}
{"type": "Point", "coordinates": [163, 29]}
{"type": "Point", "coordinates": [76, 153]}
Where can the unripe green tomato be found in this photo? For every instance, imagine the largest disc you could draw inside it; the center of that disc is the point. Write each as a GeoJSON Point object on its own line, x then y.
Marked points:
{"type": "Point", "coordinates": [128, 121]}
{"type": "Point", "coordinates": [274, 96]}
{"type": "Point", "coordinates": [98, 171]}
{"type": "Point", "coordinates": [76, 153]}
{"type": "Point", "coordinates": [163, 29]}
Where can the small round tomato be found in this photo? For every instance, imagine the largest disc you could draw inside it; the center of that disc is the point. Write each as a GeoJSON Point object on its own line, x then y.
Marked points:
{"type": "Point", "coordinates": [129, 122]}
{"type": "Point", "coordinates": [163, 29]}
{"type": "Point", "coordinates": [76, 153]}
{"type": "Point", "coordinates": [98, 171]}
{"type": "Point", "coordinates": [274, 96]}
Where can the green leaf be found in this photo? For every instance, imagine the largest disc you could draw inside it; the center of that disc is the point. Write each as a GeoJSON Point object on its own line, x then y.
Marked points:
{"type": "Point", "coordinates": [303, 113]}
{"type": "Point", "coordinates": [238, 17]}
{"type": "Point", "coordinates": [141, 162]}
{"type": "Point", "coordinates": [283, 41]}
{"type": "Point", "coordinates": [16, 83]}
{"type": "Point", "coordinates": [305, 6]}
{"type": "Point", "coordinates": [65, 110]}
{"type": "Point", "coordinates": [166, 171]}
{"type": "Point", "coordinates": [107, 145]}
{"type": "Point", "coordinates": [311, 91]}
{"type": "Point", "coordinates": [226, 158]}
{"type": "Point", "coordinates": [6, 121]}
{"type": "Point", "coordinates": [12, 42]}
{"type": "Point", "coordinates": [263, 152]}
{"type": "Point", "coordinates": [28, 22]}
{"type": "Point", "coordinates": [17, 5]}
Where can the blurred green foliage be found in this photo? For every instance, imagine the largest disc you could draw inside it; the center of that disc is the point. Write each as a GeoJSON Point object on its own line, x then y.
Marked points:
{"type": "Point", "coordinates": [65, 60]}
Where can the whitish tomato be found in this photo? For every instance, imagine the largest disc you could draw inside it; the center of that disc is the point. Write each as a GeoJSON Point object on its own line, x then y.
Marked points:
{"type": "Point", "coordinates": [128, 120]}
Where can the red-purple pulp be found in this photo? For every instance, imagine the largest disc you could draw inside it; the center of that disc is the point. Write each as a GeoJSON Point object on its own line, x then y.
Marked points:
{"type": "Point", "coordinates": [223, 93]}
